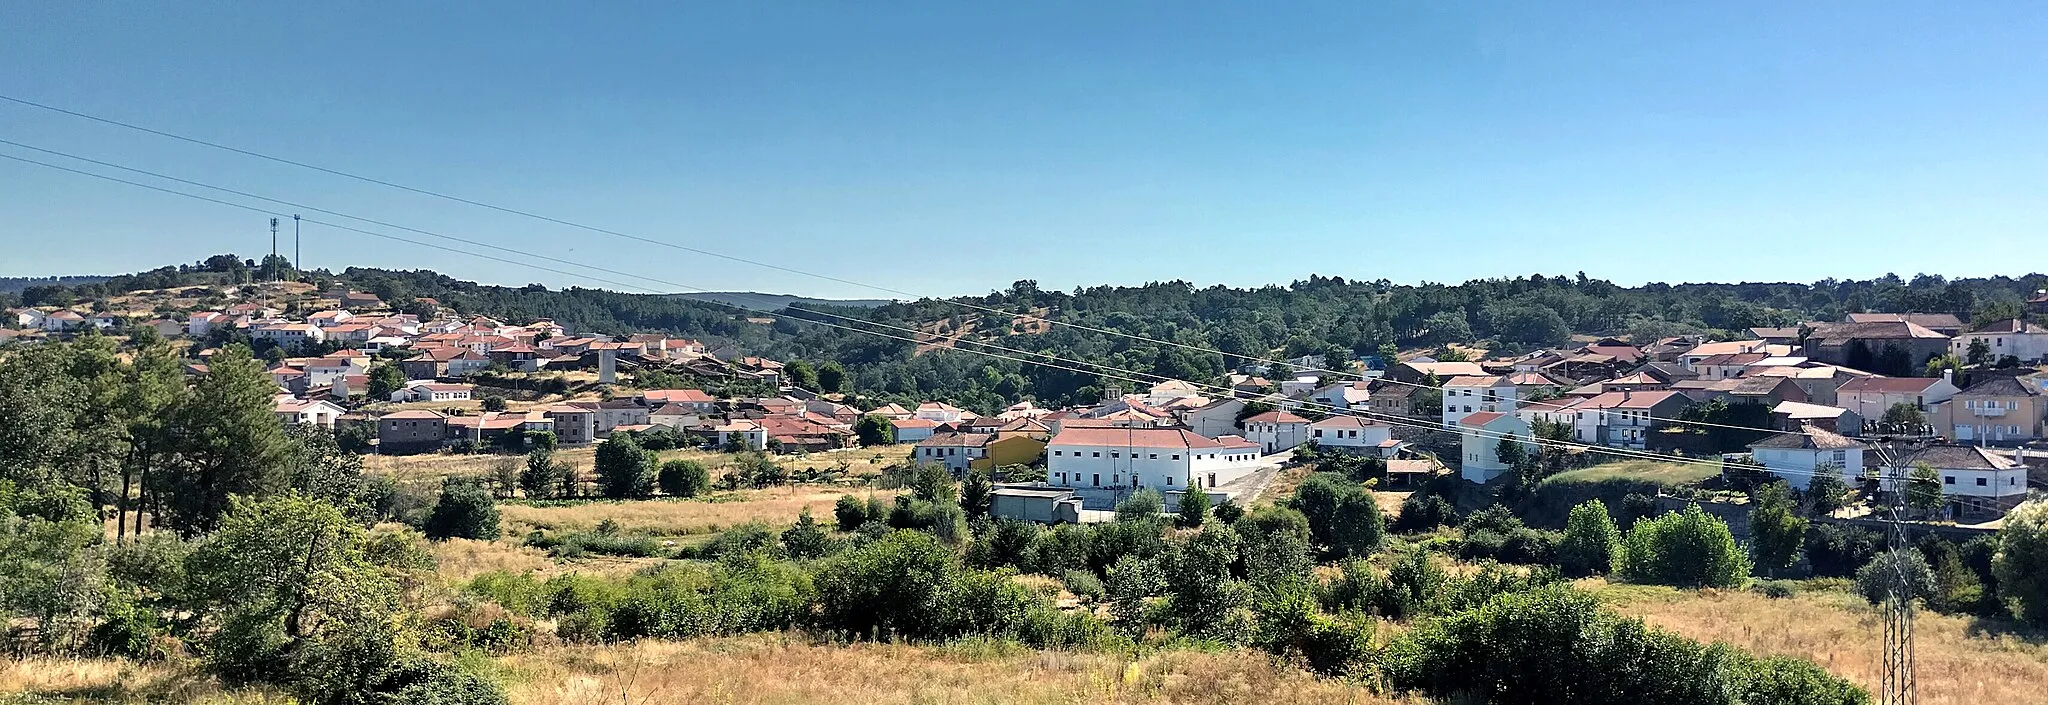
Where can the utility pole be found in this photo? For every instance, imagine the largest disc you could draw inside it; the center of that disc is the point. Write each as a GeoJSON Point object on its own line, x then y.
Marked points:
{"type": "Point", "coordinates": [1898, 606]}
{"type": "Point", "coordinates": [295, 242]}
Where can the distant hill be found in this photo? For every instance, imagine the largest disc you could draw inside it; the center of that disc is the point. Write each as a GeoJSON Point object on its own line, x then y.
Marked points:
{"type": "Point", "coordinates": [16, 284]}
{"type": "Point", "coordinates": [758, 301]}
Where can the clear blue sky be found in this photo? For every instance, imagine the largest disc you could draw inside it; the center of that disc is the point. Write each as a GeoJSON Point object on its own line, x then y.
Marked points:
{"type": "Point", "coordinates": [954, 147]}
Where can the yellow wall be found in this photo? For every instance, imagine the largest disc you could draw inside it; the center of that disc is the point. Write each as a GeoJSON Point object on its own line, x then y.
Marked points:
{"type": "Point", "coordinates": [1015, 450]}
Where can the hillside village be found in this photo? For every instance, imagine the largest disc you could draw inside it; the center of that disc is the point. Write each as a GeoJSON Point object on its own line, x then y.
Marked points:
{"type": "Point", "coordinates": [422, 378]}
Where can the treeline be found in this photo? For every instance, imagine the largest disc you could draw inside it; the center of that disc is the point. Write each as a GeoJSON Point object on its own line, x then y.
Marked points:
{"type": "Point", "coordinates": [1337, 318]}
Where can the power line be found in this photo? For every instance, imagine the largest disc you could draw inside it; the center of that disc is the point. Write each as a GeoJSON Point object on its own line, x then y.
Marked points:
{"type": "Point", "coordinates": [1033, 357]}
{"type": "Point", "coordinates": [744, 260]}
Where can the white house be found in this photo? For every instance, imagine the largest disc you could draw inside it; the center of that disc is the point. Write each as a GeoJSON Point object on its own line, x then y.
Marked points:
{"type": "Point", "coordinates": [674, 415]}
{"type": "Point", "coordinates": [1353, 433]}
{"type": "Point", "coordinates": [1870, 397]}
{"type": "Point", "coordinates": [1472, 395]}
{"type": "Point", "coordinates": [25, 318]}
{"type": "Point", "coordinates": [287, 334]}
{"type": "Point", "coordinates": [1480, 435]}
{"type": "Point", "coordinates": [1215, 419]}
{"type": "Point", "coordinates": [940, 411]}
{"type": "Point", "coordinates": [1276, 431]}
{"type": "Point", "coordinates": [330, 319]}
{"type": "Point", "coordinates": [2015, 337]}
{"type": "Point", "coordinates": [956, 451]}
{"type": "Point", "coordinates": [1166, 459]}
{"type": "Point", "coordinates": [468, 363]}
{"type": "Point", "coordinates": [912, 430]}
{"type": "Point", "coordinates": [749, 432]}
{"type": "Point", "coordinates": [1974, 479]}
{"type": "Point", "coordinates": [1343, 395]}
{"type": "Point", "coordinates": [620, 412]}
{"type": "Point", "coordinates": [316, 412]}
{"type": "Point", "coordinates": [433, 391]}
{"type": "Point", "coordinates": [62, 320]}
{"type": "Point", "coordinates": [1165, 392]}
{"type": "Point", "coordinates": [1796, 457]}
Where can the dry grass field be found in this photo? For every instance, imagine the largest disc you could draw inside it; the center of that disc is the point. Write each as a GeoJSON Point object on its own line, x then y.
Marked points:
{"type": "Point", "coordinates": [1957, 664]}
{"type": "Point", "coordinates": [664, 517]}
{"type": "Point", "coordinates": [858, 461]}
{"type": "Point", "coordinates": [778, 669]}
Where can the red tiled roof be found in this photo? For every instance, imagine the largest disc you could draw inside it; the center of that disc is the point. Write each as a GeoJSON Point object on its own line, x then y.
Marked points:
{"type": "Point", "coordinates": [1893, 385]}
{"type": "Point", "coordinates": [1481, 418]}
{"type": "Point", "coordinates": [1275, 417]}
{"type": "Point", "coordinates": [1134, 438]}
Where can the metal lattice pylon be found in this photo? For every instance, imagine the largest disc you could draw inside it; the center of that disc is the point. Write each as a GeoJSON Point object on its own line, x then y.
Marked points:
{"type": "Point", "coordinates": [1898, 688]}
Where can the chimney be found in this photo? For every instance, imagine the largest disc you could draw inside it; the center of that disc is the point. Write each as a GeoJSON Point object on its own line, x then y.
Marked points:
{"type": "Point", "coordinates": [1948, 375]}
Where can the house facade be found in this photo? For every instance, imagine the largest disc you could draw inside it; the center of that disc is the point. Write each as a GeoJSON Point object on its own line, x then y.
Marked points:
{"type": "Point", "coordinates": [1166, 459]}
{"type": "Point", "coordinates": [1797, 457]}
{"type": "Point", "coordinates": [312, 412]}
{"type": "Point", "coordinates": [2015, 337]}
{"type": "Point", "coordinates": [1997, 410]}
{"type": "Point", "coordinates": [1464, 396]}
{"type": "Point", "coordinates": [1353, 434]}
{"type": "Point", "coordinates": [1217, 418]}
{"type": "Point", "coordinates": [408, 432]}
{"type": "Point", "coordinates": [1871, 397]}
{"type": "Point", "coordinates": [1276, 431]}
{"type": "Point", "coordinates": [1479, 444]}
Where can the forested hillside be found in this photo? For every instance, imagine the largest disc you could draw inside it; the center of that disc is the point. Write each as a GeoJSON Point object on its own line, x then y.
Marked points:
{"type": "Point", "coordinates": [1332, 316]}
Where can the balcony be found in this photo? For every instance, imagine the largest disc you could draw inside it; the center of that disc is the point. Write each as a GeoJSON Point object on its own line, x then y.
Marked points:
{"type": "Point", "coordinates": [1988, 412]}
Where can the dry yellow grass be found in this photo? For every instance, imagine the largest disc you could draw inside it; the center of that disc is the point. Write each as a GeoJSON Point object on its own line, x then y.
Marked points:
{"type": "Point", "coordinates": [119, 681]}
{"type": "Point", "coordinates": [459, 560]}
{"type": "Point", "coordinates": [858, 461]}
{"type": "Point", "coordinates": [780, 669]}
{"type": "Point", "coordinates": [1843, 635]}
{"type": "Point", "coordinates": [665, 517]}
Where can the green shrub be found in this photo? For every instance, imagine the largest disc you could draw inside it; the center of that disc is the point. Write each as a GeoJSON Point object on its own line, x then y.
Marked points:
{"type": "Point", "coordinates": [1685, 549]}
{"type": "Point", "coordinates": [1288, 625]}
{"type": "Point", "coordinates": [1424, 512]}
{"type": "Point", "coordinates": [572, 544]}
{"type": "Point", "coordinates": [683, 478]}
{"type": "Point", "coordinates": [1875, 580]}
{"type": "Point", "coordinates": [1775, 589]}
{"type": "Point", "coordinates": [1837, 551]}
{"type": "Point", "coordinates": [849, 512]}
{"type": "Point", "coordinates": [741, 538]}
{"type": "Point", "coordinates": [1342, 517]}
{"type": "Point", "coordinates": [466, 510]}
{"type": "Point", "coordinates": [1590, 541]}
{"type": "Point", "coordinates": [1083, 584]}
{"type": "Point", "coordinates": [1555, 644]}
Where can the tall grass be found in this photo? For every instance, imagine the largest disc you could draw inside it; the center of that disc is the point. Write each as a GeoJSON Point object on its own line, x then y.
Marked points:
{"type": "Point", "coordinates": [1958, 663]}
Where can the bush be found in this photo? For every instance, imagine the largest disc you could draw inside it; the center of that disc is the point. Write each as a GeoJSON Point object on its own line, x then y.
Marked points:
{"type": "Point", "coordinates": [892, 586]}
{"type": "Point", "coordinates": [683, 478]}
{"type": "Point", "coordinates": [1424, 512]}
{"type": "Point", "coordinates": [466, 511]}
{"type": "Point", "coordinates": [1836, 551]}
{"type": "Point", "coordinates": [1228, 510]}
{"type": "Point", "coordinates": [624, 469]}
{"type": "Point", "coordinates": [1686, 549]}
{"type": "Point", "coordinates": [1775, 589]}
{"type": "Point", "coordinates": [1142, 505]}
{"type": "Point", "coordinates": [1590, 541]}
{"type": "Point", "coordinates": [1194, 509]}
{"type": "Point", "coordinates": [806, 539]}
{"type": "Point", "coordinates": [1875, 580]}
{"type": "Point", "coordinates": [1083, 584]}
{"type": "Point", "coordinates": [750, 537]}
{"type": "Point", "coordinates": [1342, 517]}
{"type": "Point", "coordinates": [572, 544]}
{"type": "Point", "coordinates": [1288, 626]}
{"type": "Point", "coordinates": [2021, 563]}
{"type": "Point", "coordinates": [1555, 644]}
{"type": "Point", "coordinates": [849, 512]}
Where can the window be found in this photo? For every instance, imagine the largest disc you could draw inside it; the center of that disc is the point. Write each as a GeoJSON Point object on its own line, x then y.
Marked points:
{"type": "Point", "coordinates": [1115, 454]}
{"type": "Point", "coordinates": [1097, 454]}
{"type": "Point", "coordinates": [1098, 479]}
{"type": "Point", "coordinates": [1176, 456]}
{"type": "Point", "coordinates": [1056, 453]}
{"type": "Point", "coordinates": [1152, 456]}
{"type": "Point", "coordinates": [1982, 482]}
{"type": "Point", "coordinates": [1948, 480]}
{"type": "Point", "coordinates": [1169, 480]}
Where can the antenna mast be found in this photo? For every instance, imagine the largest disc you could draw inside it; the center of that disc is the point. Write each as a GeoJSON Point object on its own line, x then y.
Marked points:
{"type": "Point", "coordinates": [1898, 606]}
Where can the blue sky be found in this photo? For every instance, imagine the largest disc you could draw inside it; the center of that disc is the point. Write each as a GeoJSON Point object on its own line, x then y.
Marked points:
{"type": "Point", "coordinates": [951, 148]}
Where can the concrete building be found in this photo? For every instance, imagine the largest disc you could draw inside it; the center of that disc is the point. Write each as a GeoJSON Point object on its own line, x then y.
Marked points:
{"type": "Point", "coordinates": [1469, 395]}
{"type": "Point", "coordinates": [1167, 459]}
{"type": "Point", "coordinates": [1796, 457]}
{"type": "Point", "coordinates": [407, 432]}
{"type": "Point", "coordinates": [1276, 431]}
{"type": "Point", "coordinates": [1479, 439]}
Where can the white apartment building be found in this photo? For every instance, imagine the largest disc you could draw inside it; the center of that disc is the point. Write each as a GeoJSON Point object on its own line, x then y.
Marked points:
{"type": "Point", "coordinates": [1166, 459]}
{"type": "Point", "coordinates": [1472, 395]}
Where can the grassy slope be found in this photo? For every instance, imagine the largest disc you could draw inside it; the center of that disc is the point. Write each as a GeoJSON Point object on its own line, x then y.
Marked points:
{"type": "Point", "coordinates": [1667, 474]}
